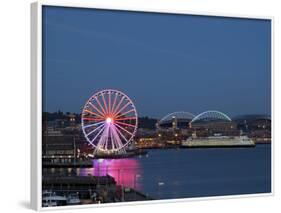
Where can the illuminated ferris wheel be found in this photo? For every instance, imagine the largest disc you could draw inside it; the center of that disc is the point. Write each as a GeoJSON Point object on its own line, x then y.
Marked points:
{"type": "Point", "coordinates": [109, 121]}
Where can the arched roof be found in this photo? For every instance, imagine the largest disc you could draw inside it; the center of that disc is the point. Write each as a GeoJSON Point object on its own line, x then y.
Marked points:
{"type": "Point", "coordinates": [178, 115]}
{"type": "Point", "coordinates": [211, 115]}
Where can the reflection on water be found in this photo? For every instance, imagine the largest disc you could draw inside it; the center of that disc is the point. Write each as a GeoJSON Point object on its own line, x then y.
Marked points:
{"type": "Point", "coordinates": [126, 172]}
{"type": "Point", "coordinates": [173, 173]}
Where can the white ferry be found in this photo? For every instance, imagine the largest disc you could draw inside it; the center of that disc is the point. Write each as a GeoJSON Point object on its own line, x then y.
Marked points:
{"type": "Point", "coordinates": [218, 141]}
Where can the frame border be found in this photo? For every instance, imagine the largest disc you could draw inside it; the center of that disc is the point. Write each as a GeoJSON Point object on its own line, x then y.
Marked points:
{"type": "Point", "coordinates": [36, 100]}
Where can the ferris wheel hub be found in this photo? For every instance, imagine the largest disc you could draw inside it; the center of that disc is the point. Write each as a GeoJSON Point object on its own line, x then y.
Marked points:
{"type": "Point", "coordinates": [108, 120]}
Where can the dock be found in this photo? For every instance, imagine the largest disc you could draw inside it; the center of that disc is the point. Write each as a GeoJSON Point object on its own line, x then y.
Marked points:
{"type": "Point", "coordinates": [83, 185]}
{"type": "Point", "coordinates": [77, 164]}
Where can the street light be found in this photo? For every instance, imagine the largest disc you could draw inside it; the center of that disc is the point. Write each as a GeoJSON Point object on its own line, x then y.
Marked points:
{"type": "Point", "coordinates": [135, 180]}
{"type": "Point", "coordinates": [122, 189]}
{"type": "Point", "coordinates": [159, 185]}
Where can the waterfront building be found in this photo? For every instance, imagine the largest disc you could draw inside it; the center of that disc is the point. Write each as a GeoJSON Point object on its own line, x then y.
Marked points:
{"type": "Point", "coordinates": [210, 128]}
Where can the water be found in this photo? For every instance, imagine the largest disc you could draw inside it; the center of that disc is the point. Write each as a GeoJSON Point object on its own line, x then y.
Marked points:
{"type": "Point", "coordinates": [181, 173]}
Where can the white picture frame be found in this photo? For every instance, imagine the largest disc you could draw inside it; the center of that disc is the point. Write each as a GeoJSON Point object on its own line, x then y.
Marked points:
{"type": "Point", "coordinates": [36, 99]}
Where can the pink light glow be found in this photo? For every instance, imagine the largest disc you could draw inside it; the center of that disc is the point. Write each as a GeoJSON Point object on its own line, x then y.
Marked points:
{"type": "Point", "coordinates": [126, 172]}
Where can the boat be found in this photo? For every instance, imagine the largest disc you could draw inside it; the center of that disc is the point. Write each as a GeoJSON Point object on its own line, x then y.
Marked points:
{"type": "Point", "coordinates": [50, 198]}
{"type": "Point", "coordinates": [73, 199]}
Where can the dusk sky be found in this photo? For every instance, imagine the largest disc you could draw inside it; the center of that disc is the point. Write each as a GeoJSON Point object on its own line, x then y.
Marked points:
{"type": "Point", "coordinates": [163, 62]}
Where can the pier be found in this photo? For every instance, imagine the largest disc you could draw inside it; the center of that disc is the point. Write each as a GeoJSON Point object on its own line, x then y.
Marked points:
{"type": "Point", "coordinates": [92, 189]}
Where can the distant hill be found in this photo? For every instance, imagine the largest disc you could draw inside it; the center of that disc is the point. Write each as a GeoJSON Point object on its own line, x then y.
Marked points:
{"type": "Point", "coordinates": [51, 116]}
{"type": "Point", "coordinates": [147, 123]}
{"type": "Point", "coordinates": [251, 117]}
{"type": "Point", "coordinates": [143, 122]}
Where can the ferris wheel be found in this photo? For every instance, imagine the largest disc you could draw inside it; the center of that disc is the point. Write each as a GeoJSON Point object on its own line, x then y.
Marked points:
{"type": "Point", "coordinates": [109, 121]}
